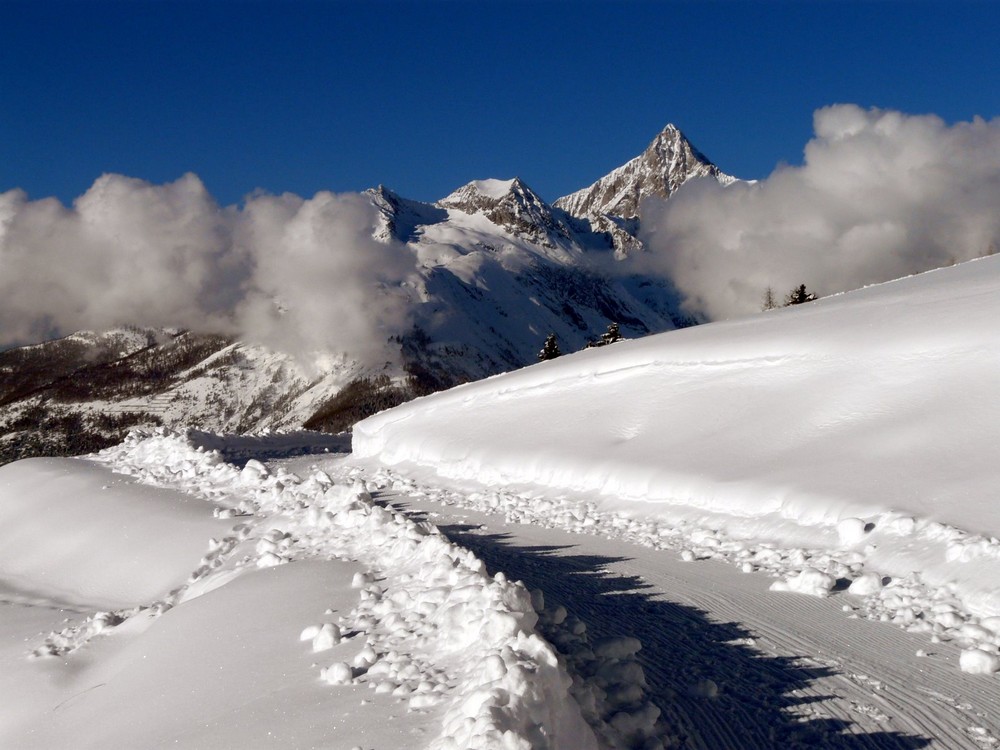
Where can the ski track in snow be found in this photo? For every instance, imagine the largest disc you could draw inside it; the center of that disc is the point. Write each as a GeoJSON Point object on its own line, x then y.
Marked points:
{"type": "Point", "coordinates": [659, 641]}
{"type": "Point", "coordinates": [432, 628]}
{"type": "Point", "coordinates": [729, 663]}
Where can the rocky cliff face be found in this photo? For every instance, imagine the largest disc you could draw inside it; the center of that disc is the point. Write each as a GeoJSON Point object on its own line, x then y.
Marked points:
{"type": "Point", "coordinates": [511, 205]}
{"type": "Point", "coordinates": [666, 164]}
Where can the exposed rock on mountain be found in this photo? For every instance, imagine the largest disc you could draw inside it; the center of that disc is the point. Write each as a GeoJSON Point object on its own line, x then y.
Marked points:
{"type": "Point", "coordinates": [611, 204]}
{"type": "Point", "coordinates": [84, 392]}
{"type": "Point", "coordinates": [511, 205]}
{"type": "Point", "coordinates": [497, 270]}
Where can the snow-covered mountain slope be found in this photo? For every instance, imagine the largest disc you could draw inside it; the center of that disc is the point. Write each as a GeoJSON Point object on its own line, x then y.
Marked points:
{"type": "Point", "coordinates": [865, 423]}
{"type": "Point", "coordinates": [86, 391]}
{"type": "Point", "coordinates": [500, 269]}
{"type": "Point", "coordinates": [497, 269]}
{"type": "Point", "coordinates": [666, 164]}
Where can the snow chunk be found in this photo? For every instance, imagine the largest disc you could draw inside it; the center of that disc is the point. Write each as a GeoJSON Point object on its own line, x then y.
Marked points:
{"type": "Point", "coordinates": [617, 648]}
{"type": "Point", "coordinates": [253, 471]}
{"type": "Point", "coordinates": [977, 661]}
{"type": "Point", "coordinates": [851, 531]}
{"type": "Point", "coordinates": [705, 689]}
{"type": "Point", "coordinates": [337, 674]}
{"type": "Point", "coordinates": [810, 581]}
{"type": "Point", "coordinates": [269, 560]}
{"type": "Point", "coordinates": [327, 637]}
{"type": "Point", "coordinates": [866, 584]}
{"type": "Point", "coordinates": [309, 633]}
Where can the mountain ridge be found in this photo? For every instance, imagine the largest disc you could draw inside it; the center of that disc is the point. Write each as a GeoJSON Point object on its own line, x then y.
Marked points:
{"type": "Point", "coordinates": [660, 170]}
{"type": "Point", "coordinates": [497, 269]}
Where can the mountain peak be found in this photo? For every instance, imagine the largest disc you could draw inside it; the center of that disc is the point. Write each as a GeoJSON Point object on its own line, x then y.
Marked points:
{"type": "Point", "coordinates": [509, 204]}
{"type": "Point", "coordinates": [479, 193]}
{"type": "Point", "coordinates": [668, 162]}
{"type": "Point", "coordinates": [495, 188]}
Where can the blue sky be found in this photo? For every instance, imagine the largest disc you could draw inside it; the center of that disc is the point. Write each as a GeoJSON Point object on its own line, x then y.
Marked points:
{"type": "Point", "coordinates": [424, 97]}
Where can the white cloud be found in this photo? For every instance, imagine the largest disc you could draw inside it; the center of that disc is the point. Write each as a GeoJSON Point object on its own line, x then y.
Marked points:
{"type": "Point", "coordinates": [126, 252]}
{"type": "Point", "coordinates": [880, 195]}
{"type": "Point", "coordinates": [321, 281]}
{"type": "Point", "coordinates": [129, 252]}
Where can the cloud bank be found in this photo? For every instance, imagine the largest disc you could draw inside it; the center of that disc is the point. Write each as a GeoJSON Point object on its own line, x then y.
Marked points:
{"type": "Point", "coordinates": [880, 195]}
{"type": "Point", "coordinates": [299, 275]}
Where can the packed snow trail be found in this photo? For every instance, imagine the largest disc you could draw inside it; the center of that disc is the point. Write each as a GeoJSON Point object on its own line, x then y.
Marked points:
{"type": "Point", "coordinates": [392, 635]}
{"type": "Point", "coordinates": [866, 422]}
{"type": "Point", "coordinates": [729, 661]}
{"type": "Point", "coordinates": [228, 658]}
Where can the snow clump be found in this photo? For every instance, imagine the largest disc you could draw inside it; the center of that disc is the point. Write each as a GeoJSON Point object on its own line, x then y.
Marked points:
{"type": "Point", "coordinates": [808, 581]}
{"type": "Point", "coordinates": [435, 629]}
{"type": "Point", "coordinates": [977, 661]}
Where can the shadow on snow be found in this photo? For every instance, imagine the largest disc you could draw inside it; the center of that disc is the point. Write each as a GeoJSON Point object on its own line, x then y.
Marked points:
{"type": "Point", "coordinates": [757, 705]}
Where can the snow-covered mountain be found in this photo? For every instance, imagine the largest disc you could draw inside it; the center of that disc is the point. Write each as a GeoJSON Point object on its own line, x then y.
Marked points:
{"type": "Point", "coordinates": [83, 392]}
{"type": "Point", "coordinates": [512, 205]}
{"type": "Point", "coordinates": [498, 269]}
{"type": "Point", "coordinates": [612, 204]}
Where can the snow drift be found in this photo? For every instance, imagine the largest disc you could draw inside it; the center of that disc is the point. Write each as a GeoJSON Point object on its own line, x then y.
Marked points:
{"type": "Point", "coordinates": [74, 534]}
{"type": "Point", "coordinates": [877, 406]}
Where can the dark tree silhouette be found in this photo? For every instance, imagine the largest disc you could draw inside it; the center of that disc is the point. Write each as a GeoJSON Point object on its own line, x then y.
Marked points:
{"type": "Point", "coordinates": [798, 296]}
{"type": "Point", "coordinates": [550, 350]}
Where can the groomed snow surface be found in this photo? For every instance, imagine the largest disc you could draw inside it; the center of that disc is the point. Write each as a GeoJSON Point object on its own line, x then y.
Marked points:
{"type": "Point", "coordinates": [848, 442]}
{"type": "Point", "coordinates": [314, 617]}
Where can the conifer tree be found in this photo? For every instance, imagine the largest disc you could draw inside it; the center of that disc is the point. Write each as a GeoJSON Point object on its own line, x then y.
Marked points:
{"type": "Point", "coordinates": [550, 350]}
{"type": "Point", "coordinates": [798, 296]}
{"type": "Point", "coordinates": [611, 335]}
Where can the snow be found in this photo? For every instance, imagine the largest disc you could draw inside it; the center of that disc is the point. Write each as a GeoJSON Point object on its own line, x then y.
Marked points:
{"type": "Point", "coordinates": [219, 593]}
{"type": "Point", "coordinates": [977, 661]}
{"type": "Point", "coordinates": [852, 435]}
{"type": "Point", "coordinates": [807, 581]}
{"type": "Point", "coordinates": [124, 544]}
{"type": "Point", "coordinates": [790, 671]}
{"type": "Point", "coordinates": [667, 163]}
{"type": "Point", "coordinates": [410, 618]}
{"type": "Point", "coordinates": [493, 188]}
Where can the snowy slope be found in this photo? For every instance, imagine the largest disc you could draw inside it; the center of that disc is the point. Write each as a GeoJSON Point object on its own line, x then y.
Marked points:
{"type": "Point", "coordinates": [119, 546]}
{"type": "Point", "coordinates": [865, 422]}
{"type": "Point", "coordinates": [312, 617]}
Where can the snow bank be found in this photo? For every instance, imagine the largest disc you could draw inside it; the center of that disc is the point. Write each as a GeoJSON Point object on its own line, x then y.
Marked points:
{"type": "Point", "coordinates": [432, 628]}
{"type": "Point", "coordinates": [223, 670]}
{"type": "Point", "coordinates": [866, 421]}
{"type": "Point", "coordinates": [72, 533]}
